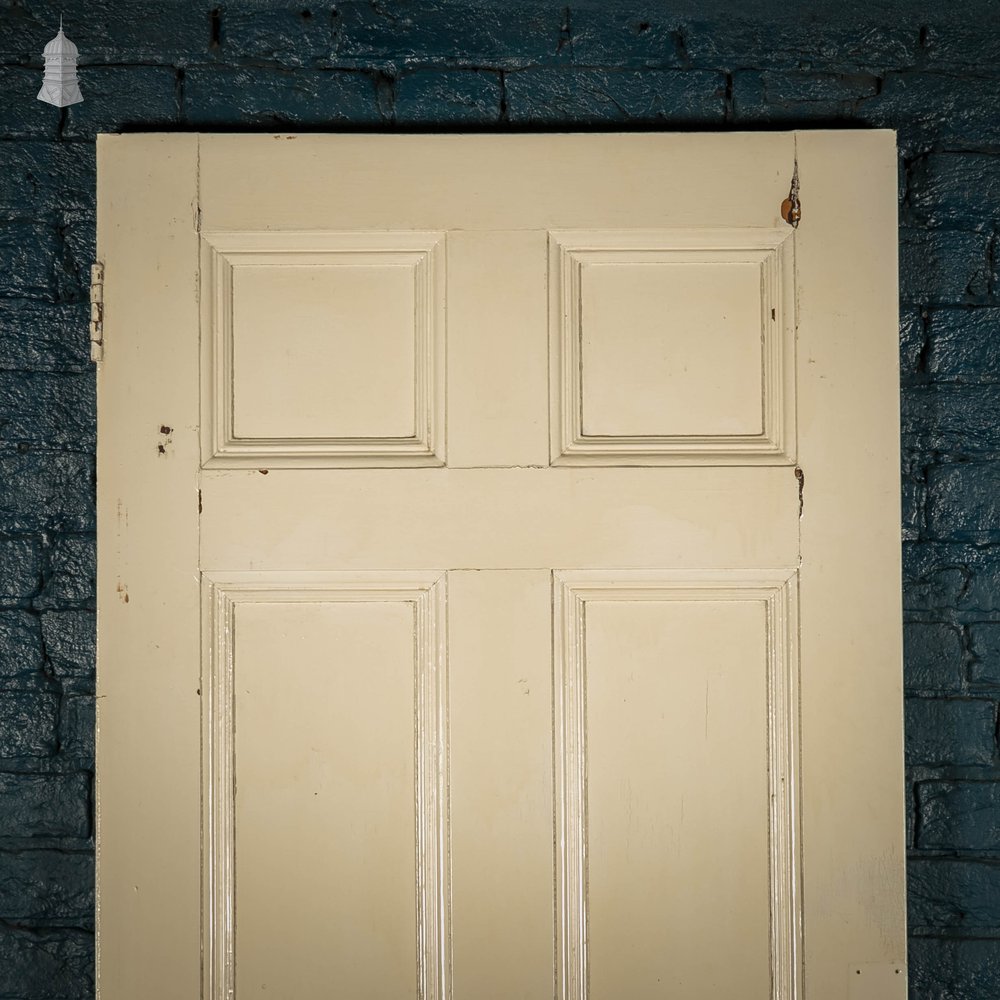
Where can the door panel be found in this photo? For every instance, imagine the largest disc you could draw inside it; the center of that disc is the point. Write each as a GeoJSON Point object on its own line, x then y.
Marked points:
{"type": "Point", "coordinates": [674, 875]}
{"type": "Point", "coordinates": [325, 784]}
{"type": "Point", "coordinates": [672, 347]}
{"type": "Point", "coordinates": [322, 349]}
{"type": "Point", "coordinates": [673, 846]}
{"type": "Point", "coordinates": [312, 771]}
{"type": "Point", "coordinates": [499, 567]}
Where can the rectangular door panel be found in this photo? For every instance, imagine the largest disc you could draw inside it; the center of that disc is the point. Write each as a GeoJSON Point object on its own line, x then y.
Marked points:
{"type": "Point", "coordinates": [325, 763]}
{"type": "Point", "coordinates": [676, 751]}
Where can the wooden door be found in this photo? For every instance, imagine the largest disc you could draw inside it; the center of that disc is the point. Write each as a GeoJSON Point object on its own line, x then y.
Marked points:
{"type": "Point", "coordinates": [499, 568]}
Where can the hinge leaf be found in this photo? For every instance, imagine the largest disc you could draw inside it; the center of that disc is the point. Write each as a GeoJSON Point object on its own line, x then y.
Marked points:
{"type": "Point", "coordinates": [97, 312]}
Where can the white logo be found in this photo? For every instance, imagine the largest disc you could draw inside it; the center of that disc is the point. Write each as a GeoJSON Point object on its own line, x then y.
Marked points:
{"type": "Point", "coordinates": [59, 86]}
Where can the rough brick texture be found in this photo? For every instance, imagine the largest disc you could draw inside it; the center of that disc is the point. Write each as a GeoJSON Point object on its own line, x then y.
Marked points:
{"type": "Point", "coordinates": [950, 731]}
{"type": "Point", "coordinates": [969, 968]}
{"type": "Point", "coordinates": [930, 72]}
{"type": "Point", "coordinates": [45, 806]}
{"type": "Point", "coordinates": [954, 894]}
{"type": "Point", "coordinates": [933, 656]}
{"type": "Point", "coordinates": [959, 816]}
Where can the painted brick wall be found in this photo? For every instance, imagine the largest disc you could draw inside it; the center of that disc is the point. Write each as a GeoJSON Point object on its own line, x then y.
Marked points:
{"type": "Point", "coordinates": [384, 65]}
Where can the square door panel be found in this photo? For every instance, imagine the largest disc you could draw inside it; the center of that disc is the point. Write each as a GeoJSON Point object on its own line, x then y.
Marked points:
{"type": "Point", "coordinates": [323, 349]}
{"type": "Point", "coordinates": [666, 349]}
{"type": "Point", "coordinates": [671, 347]}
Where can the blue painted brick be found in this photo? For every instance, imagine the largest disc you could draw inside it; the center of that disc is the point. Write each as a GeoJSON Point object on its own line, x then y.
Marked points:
{"type": "Point", "coordinates": [55, 964]}
{"type": "Point", "coordinates": [69, 638]}
{"type": "Point", "coordinates": [54, 409]}
{"type": "Point", "coordinates": [106, 31]}
{"type": "Point", "coordinates": [964, 345]}
{"type": "Point", "coordinates": [964, 43]}
{"type": "Point", "coordinates": [939, 576]}
{"type": "Point", "coordinates": [45, 805]}
{"type": "Point", "coordinates": [963, 502]}
{"type": "Point", "coordinates": [46, 491]}
{"type": "Point", "coordinates": [27, 255]}
{"type": "Point", "coordinates": [47, 885]}
{"type": "Point", "coordinates": [984, 643]}
{"type": "Point", "coordinates": [21, 114]}
{"type": "Point", "coordinates": [961, 190]}
{"type": "Point", "coordinates": [440, 33]}
{"type": "Point", "coordinates": [44, 336]}
{"type": "Point", "coordinates": [911, 819]}
{"type": "Point", "coordinates": [943, 266]}
{"type": "Point", "coordinates": [943, 969]}
{"type": "Point", "coordinates": [20, 644]}
{"type": "Point", "coordinates": [290, 34]}
{"type": "Point", "coordinates": [640, 37]}
{"type": "Point", "coordinates": [46, 178]}
{"type": "Point", "coordinates": [929, 109]}
{"type": "Point", "coordinates": [912, 344]}
{"type": "Point", "coordinates": [460, 97]}
{"type": "Point", "coordinates": [28, 721]}
{"type": "Point", "coordinates": [275, 98]}
{"type": "Point", "coordinates": [959, 816]}
{"type": "Point", "coordinates": [595, 96]}
{"type": "Point", "coordinates": [914, 500]}
{"type": "Point", "coordinates": [20, 569]}
{"type": "Point", "coordinates": [116, 97]}
{"type": "Point", "coordinates": [19, 33]}
{"type": "Point", "coordinates": [793, 37]}
{"type": "Point", "coordinates": [78, 252]}
{"type": "Point", "coordinates": [961, 895]}
{"type": "Point", "coordinates": [957, 420]}
{"type": "Point", "coordinates": [933, 657]}
{"type": "Point", "coordinates": [943, 731]}
{"type": "Point", "coordinates": [827, 90]}
{"type": "Point", "coordinates": [72, 580]}
{"type": "Point", "coordinates": [76, 728]}
{"type": "Point", "coordinates": [777, 96]}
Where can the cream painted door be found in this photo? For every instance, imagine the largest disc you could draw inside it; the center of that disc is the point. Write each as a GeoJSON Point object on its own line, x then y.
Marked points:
{"type": "Point", "coordinates": [499, 570]}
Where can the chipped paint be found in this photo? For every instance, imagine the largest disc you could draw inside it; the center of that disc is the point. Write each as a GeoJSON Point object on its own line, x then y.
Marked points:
{"type": "Point", "coordinates": [791, 207]}
{"type": "Point", "coordinates": [162, 446]}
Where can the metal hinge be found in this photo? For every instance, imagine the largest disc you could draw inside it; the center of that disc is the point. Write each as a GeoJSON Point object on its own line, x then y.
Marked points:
{"type": "Point", "coordinates": [97, 312]}
{"type": "Point", "coordinates": [791, 207]}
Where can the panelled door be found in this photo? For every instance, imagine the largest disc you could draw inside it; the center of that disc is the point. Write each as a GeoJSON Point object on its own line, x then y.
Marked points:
{"type": "Point", "coordinates": [499, 570]}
